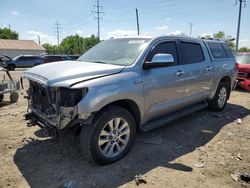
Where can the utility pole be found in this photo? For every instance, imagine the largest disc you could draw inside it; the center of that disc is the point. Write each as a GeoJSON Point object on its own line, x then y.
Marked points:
{"type": "Point", "coordinates": [239, 20]}
{"type": "Point", "coordinates": [38, 38]}
{"type": "Point", "coordinates": [98, 18]}
{"type": "Point", "coordinates": [9, 26]}
{"type": "Point", "coordinates": [191, 29]}
{"type": "Point", "coordinates": [58, 29]}
{"type": "Point", "coordinates": [137, 21]}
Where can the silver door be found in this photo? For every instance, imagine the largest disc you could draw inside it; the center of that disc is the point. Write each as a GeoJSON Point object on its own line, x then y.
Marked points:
{"type": "Point", "coordinates": [198, 70]}
{"type": "Point", "coordinates": [163, 87]}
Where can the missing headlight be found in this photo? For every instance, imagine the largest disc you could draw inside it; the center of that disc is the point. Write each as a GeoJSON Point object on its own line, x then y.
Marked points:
{"type": "Point", "coordinates": [71, 97]}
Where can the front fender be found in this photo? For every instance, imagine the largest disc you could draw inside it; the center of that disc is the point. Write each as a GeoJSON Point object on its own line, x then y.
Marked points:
{"type": "Point", "coordinates": [103, 91]}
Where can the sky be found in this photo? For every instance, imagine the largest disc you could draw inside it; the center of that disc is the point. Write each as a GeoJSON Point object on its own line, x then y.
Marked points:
{"type": "Point", "coordinates": [31, 18]}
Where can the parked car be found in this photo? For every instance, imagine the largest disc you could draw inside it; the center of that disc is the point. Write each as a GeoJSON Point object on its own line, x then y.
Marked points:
{"type": "Point", "coordinates": [74, 57]}
{"type": "Point", "coordinates": [24, 61]}
{"type": "Point", "coordinates": [128, 84]}
{"type": "Point", "coordinates": [4, 60]}
{"type": "Point", "coordinates": [55, 58]}
{"type": "Point", "coordinates": [243, 78]}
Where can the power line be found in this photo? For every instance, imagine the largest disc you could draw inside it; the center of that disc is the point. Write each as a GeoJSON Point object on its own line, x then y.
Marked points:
{"type": "Point", "coordinates": [98, 18]}
{"type": "Point", "coordinates": [242, 3]}
{"type": "Point", "coordinates": [58, 29]}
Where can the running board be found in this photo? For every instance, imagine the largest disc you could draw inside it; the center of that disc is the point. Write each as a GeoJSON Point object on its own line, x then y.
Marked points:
{"type": "Point", "coordinates": [171, 117]}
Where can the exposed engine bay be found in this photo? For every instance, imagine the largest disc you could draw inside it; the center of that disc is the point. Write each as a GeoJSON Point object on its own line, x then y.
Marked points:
{"type": "Point", "coordinates": [51, 106]}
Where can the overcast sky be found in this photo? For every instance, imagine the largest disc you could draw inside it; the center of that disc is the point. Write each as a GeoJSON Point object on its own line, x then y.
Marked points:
{"type": "Point", "coordinates": [157, 17]}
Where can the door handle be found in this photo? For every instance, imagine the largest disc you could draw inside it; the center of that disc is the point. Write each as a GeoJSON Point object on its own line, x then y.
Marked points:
{"type": "Point", "coordinates": [209, 68]}
{"type": "Point", "coordinates": [179, 73]}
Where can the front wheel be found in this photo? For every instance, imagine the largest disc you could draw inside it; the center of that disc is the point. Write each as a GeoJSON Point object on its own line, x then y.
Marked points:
{"type": "Point", "coordinates": [110, 137]}
{"type": "Point", "coordinates": [219, 101]}
{"type": "Point", "coordinates": [11, 67]}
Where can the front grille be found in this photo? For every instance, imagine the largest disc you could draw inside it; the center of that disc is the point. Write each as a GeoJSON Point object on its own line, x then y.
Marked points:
{"type": "Point", "coordinates": [41, 98]}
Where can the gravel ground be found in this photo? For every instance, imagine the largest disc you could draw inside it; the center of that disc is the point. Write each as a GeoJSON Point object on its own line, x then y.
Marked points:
{"type": "Point", "coordinates": [204, 149]}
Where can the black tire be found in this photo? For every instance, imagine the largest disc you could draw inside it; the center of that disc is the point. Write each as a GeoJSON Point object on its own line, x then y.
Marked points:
{"type": "Point", "coordinates": [90, 134]}
{"type": "Point", "coordinates": [11, 67]}
{"type": "Point", "coordinates": [14, 96]}
{"type": "Point", "coordinates": [1, 97]}
{"type": "Point", "coordinates": [213, 104]}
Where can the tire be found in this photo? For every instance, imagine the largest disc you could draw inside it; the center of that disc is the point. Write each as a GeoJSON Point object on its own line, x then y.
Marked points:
{"type": "Point", "coordinates": [219, 101]}
{"type": "Point", "coordinates": [14, 96]}
{"type": "Point", "coordinates": [1, 97]}
{"type": "Point", "coordinates": [93, 144]}
{"type": "Point", "coordinates": [11, 67]}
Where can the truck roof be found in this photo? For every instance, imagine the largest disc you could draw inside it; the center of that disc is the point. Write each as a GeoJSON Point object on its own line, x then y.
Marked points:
{"type": "Point", "coordinates": [171, 37]}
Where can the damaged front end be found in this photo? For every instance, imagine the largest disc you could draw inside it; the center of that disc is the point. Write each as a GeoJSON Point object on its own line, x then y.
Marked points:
{"type": "Point", "coordinates": [243, 80]}
{"type": "Point", "coordinates": [53, 106]}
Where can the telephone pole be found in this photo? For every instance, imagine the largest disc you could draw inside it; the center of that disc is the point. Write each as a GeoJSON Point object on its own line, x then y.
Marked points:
{"type": "Point", "coordinates": [137, 21]}
{"type": "Point", "coordinates": [39, 41]}
{"type": "Point", "coordinates": [98, 17]}
{"type": "Point", "coordinates": [239, 20]}
{"type": "Point", "coordinates": [191, 29]}
{"type": "Point", "coordinates": [58, 29]}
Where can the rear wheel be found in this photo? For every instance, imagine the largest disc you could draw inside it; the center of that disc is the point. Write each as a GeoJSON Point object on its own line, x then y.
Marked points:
{"type": "Point", "coordinates": [218, 103]}
{"type": "Point", "coordinates": [110, 137]}
{"type": "Point", "coordinates": [1, 97]}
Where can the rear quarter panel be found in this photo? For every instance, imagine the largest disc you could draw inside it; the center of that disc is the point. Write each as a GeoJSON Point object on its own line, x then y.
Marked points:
{"type": "Point", "coordinates": [222, 68]}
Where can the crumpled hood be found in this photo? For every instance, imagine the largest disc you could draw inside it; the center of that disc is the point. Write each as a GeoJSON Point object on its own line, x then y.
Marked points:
{"type": "Point", "coordinates": [66, 73]}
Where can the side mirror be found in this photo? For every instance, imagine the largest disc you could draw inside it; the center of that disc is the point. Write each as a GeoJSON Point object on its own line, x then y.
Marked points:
{"type": "Point", "coordinates": [159, 60]}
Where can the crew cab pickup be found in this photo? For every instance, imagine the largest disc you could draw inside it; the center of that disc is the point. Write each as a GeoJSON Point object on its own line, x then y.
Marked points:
{"type": "Point", "coordinates": [127, 84]}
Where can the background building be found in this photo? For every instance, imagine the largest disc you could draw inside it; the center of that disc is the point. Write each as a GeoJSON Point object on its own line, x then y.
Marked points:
{"type": "Point", "coordinates": [13, 48]}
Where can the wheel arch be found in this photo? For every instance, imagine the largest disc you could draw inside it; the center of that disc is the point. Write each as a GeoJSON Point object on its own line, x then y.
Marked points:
{"type": "Point", "coordinates": [227, 80]}
{"type": "Point", "coordinates": [129, 105]}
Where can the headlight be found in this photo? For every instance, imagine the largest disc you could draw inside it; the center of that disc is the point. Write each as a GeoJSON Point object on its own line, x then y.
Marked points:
{"type": "Point", "coordinates": [71, 97]}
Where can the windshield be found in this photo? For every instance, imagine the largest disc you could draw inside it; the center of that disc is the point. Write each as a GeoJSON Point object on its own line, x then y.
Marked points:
{"type": "Point", "coordinates": [243, 58]}
{"type": "Point", "coordinates": [115, 51]}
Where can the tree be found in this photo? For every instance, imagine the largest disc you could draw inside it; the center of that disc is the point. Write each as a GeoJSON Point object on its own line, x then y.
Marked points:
{"type": "Point", "coordinates": [6, 33]}
{"type": "Point", "coordinates": [221, 35]}
{"type": "Point", "coordinates": [76, 44]}
{"type": "Point", "coordinates": [244, 49]}
{"type": "Point", "coordinates": [51, 49]}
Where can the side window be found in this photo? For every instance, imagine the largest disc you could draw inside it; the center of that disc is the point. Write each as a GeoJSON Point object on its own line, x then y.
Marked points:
{"type": "Point", "coordinates": [191, 53]}
{"type": "Point", "coordinates": [30, 58]}
{"type": "Point", "coordinates": [164, 48]}
{"type": "Point", "coordinates": [21, 58]}
{"type": "Point", "coordinates": [217, 50]}
{"type": "Point", "coordinates": [228, 50]}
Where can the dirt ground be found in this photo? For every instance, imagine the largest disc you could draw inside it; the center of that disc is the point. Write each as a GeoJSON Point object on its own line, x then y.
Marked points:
{"type": "Point", "coordinates": [204, 149]}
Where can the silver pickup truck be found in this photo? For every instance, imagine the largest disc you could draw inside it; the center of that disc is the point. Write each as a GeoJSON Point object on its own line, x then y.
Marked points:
{"type": "Point", "coordinates": [124, 85]}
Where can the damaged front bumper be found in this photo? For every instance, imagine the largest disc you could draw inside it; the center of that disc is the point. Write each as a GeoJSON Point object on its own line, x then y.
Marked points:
{"type": "Point", "coordinates": [244, 83]}
{"type": "Point", "coordinates": [53, 107]}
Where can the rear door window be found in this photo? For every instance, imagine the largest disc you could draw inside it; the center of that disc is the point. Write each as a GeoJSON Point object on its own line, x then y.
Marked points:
{"type": "Point", "coordinates": [227, 50]}
{"type": "Point", "coordinates": [191, 53]}
{"type": "Point", "coordinates": [217, 50]}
